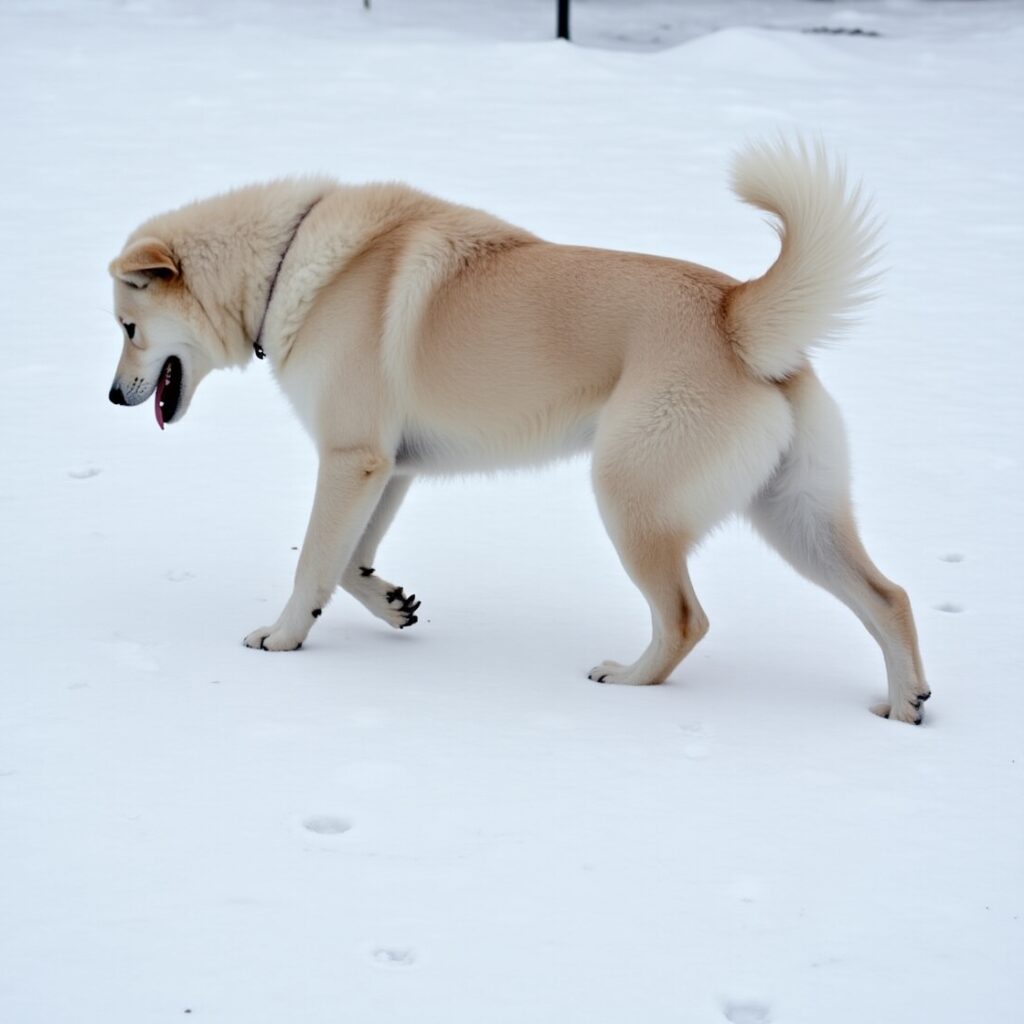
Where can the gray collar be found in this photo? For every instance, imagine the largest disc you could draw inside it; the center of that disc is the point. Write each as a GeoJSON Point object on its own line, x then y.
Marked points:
{"type": "Point", "coordinates": [257, 345]}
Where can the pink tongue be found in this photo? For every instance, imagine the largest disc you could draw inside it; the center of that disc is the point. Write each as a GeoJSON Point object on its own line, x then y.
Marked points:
{"type": "Point", "coordinates": [156, 402]}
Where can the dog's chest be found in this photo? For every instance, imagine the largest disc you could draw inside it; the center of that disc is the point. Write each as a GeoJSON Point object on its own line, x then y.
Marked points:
{"type": "Point", "coordinates": [304, 394]}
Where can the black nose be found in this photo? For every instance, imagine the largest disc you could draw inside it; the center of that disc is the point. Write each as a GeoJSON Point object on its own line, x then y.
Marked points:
{"type": "Point", "coordinates": [116, 397]}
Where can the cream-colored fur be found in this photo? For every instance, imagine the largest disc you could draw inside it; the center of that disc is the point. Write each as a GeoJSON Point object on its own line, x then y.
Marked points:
{"type": "Point", "coordinates": [413, 336]}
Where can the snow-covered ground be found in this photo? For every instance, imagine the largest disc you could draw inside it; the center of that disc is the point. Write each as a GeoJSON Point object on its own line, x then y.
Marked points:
{"type": "Point", "coordinates": [452, 824]}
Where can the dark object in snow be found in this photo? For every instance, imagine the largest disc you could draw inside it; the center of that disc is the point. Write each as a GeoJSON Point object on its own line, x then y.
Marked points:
{"type": "Point", "coordinates": [563, 19]}
{"type": "Point", "coordinates": [825, 30]}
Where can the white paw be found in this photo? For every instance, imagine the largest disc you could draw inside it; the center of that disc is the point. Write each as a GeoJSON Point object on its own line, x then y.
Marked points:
{"type": "Point", "coordinates": [626, 675]}
{"type": "Point", "coordinates": [384, 599]}
{"type": "Point", "coordinates": [272, 638]}
{"type": "Point", "coordinates": [910, 710]}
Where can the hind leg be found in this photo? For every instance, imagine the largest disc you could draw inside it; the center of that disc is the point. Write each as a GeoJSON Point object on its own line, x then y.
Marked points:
{"type": "Point", "coordinates": [656, 564]}
{"type": "Point", "coordinates": [670, 463]}
{"type": "Point", "coordinates": [804, 512]}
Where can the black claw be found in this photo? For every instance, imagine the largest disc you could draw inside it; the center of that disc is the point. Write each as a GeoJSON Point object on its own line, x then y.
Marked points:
{"type": "Point", "coordinates": [366, 570]}
{"type": "Point", "coordinates": [918, 720]}
{"type": "Point", "coordinates": [925, 696]}
{"type": "Point", "coordinates": [317, 612]}
{"type": "Point", "coordinates": [915, 703]}
{"type": "Point", "coordinates": [262, 638]}
{"type": "Point", "coordinates": [407, 604]}
{"type": "Point", "coordinates": [601, 679]}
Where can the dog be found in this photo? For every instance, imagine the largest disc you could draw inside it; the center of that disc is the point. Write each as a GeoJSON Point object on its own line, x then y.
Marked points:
{"type": "Point", "coordinates": [414, 336]}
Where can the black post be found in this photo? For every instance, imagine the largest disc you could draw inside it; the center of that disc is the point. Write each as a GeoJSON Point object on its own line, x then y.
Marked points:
{"type": "Point", "coordinates": [563, 19]}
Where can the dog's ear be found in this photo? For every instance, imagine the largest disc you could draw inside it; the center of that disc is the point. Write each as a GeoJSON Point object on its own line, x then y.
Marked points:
{"type": "Point", "coordinates": [143, 261]}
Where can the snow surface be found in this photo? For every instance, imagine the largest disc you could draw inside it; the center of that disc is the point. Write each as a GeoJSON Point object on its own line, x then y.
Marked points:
{"type": "Point", "coordinates": [452, 824]}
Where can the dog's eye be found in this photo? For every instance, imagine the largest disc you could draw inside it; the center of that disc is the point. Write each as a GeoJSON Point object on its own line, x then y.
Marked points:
{"type": "Point", "coordinates": [129, 329]}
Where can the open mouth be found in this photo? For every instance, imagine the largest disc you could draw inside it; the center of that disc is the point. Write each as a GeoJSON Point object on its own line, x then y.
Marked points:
{"type": "Point", "coordinates": [168, 391]}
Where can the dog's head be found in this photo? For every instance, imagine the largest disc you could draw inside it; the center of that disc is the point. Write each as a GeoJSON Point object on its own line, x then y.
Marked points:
{"type": "Point", "coordinates": [168, 347]}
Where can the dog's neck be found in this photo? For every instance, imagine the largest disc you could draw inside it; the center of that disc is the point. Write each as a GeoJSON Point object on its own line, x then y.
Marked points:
{"type": "Point", "coordinates": [257, 344]}
{"type": "Point", "coordinates": [238, 257]}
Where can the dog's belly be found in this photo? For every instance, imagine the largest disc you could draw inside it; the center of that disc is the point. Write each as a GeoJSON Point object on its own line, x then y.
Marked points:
{"type": "Point", "coordinates": [433, 449]}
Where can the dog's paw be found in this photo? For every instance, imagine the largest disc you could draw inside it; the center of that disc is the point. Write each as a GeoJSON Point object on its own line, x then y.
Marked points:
{"type": "Point", "coordinates": [910, 710]}
{"type": "Point", "coordinates": [625, 675]}
{"type": "Point", "coordinates": [384, 599]}
{"type": "Point", "coordinates": [401, 608]}
{"type": "Point", "coordinates": [271, 638]}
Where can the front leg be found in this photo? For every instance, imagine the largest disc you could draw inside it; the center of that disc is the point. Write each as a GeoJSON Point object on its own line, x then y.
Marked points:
{"type": "Point", "coordinates": [385, 600]}
{"type": "Point", "coordinates": [349, 484]}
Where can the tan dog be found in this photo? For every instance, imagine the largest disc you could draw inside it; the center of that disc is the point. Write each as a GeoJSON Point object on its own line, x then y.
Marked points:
{"type": "Point", "coordinates": [415, 336]}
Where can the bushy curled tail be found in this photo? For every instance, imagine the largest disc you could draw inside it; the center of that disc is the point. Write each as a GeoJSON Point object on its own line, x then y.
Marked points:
{"type": "Point", "coordinates": [824, 271]}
